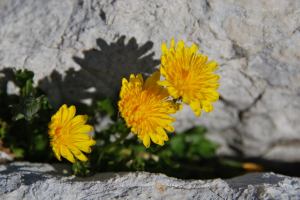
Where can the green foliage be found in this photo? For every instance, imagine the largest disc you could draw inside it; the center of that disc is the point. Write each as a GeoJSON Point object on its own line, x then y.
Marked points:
{"type": "Point", "coordinates": [30, 101]}
{"type": "Point", "coordinates": [193, 144]}
{"type": "Point", "coordinates": [119, 150]}
{"type": "Point", "coordinates": [3, 129]}
{"type": "Point", "coordinates": [106, 106]}
{"type": "Point", "coordinates": [28, 107]}
{"type": "Point", "coordinates": [24, 119]}
{"type": "Point", "coordinates": [23, 124]}
{"type": "Point", "coordinates": [81, 168]}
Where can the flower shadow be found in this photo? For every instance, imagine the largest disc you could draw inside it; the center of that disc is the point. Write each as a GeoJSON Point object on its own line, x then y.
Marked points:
{"type": "Point", "coordinates": [102, 70]}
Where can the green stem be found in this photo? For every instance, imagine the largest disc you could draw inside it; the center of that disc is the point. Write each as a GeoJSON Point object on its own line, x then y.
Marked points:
{"type": "Point", "coordinates": [119, 140]}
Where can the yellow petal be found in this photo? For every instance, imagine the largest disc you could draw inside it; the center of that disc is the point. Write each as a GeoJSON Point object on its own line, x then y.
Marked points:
{"type": "Point", "coordinates": [84, 145]}
{"type": "Point", "coordinates": [77, 153]}
{"type": "Point", "coordinates": [140, 78]}
{"type": "Point", "coordinates": [194, 48]}
{"type": "Point", "coordinates": [172, 45]}
{"type": "Point", "coordinates": [79, 137]}
{"type": "Point", "coordinates": [163, 83]}
{"type": "Point", "coordinates": [151, 82]}
{"type": "Point", "coordinates": [212, 65]}
{"type": "Point", "coordinates": [212, 95]}
{"type": "Point", "coordinates": [146, 141]}
{"type": "Point", "coordinates": [78, 121]}
{"type": "Point", "coordinates": [56, 152]}
{"type": "Point", "coordinates": [196, 107]}
{"type": "Point", "coordinates": [164, 48]}
{"type": "Point", "coordinates": [207, 106]}
{"type": "Point", "coordinates": [169, 128]}
{"type": "Point", "coordinates": [154, 138]}
{"type": "Point", "coordinates": [180, 45]}
{"type": "Point", "coordinates": [65, 152]}
{"type": "Point", "coordinates": [82, 129]}
{"type": "Point", "coordinates": [71, 112]}
{"type": "Point", "coordinates": [162, 71]}
{"type": "Point", "coordinates": [162, 133]}
{"type": "Point", "coordinates": [64, 114]}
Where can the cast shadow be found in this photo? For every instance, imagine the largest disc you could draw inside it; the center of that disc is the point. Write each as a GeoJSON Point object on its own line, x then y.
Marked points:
{"type": "Point", "coordinates": [102, 70]}
{"type": "Point", "coordinates": [6, 77]}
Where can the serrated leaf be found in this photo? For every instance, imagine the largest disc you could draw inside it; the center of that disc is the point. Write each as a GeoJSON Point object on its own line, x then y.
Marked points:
{"type": "Point", "coordinates": [22, 76]}
{"type": "Point", "coordinates": [27, 108]}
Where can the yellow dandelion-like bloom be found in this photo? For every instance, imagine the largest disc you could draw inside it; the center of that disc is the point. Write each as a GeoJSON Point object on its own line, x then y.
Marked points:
{"type": "Point", "coordinates": [146, 108]}
{"type": "Point", "coordinates": [69, 135]}
{"type": "Point", "coordinates": [189, 75]}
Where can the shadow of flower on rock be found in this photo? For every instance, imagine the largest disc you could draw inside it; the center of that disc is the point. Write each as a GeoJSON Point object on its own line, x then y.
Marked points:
{"type": "Point", "coordinates": [101, 72]}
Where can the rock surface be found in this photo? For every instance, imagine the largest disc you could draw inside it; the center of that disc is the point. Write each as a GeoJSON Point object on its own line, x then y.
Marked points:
{"type": "Point", "coordinates": [41, 181]}
{"type": "Point", "coordinates": [92, 44]}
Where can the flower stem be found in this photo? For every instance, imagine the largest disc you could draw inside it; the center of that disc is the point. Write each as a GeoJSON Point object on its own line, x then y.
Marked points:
{"type": "Point", "coordinates": [117, 141]}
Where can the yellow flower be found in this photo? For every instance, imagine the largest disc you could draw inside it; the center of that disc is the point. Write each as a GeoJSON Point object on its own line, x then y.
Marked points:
{"type": "Point", "coordinates": [146, 108]}
{"type": "Point", "coordinates": [69, 134]}
{"type": "Point", "coordinates": [189, 76]}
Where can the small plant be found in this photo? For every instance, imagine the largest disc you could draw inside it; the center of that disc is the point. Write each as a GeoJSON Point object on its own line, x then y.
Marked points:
{"type": "Point", "coordinates": [24, 119]}
{"type": "Point", "coordinates": [34, 131]}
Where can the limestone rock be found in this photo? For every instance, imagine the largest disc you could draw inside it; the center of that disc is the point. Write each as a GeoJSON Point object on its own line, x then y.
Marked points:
{"type": "Point", "coordinates": [93, 43]}
{"type": "Point", "coordinates": [42, 181]}
{"type": "Point", "coordinates": [5, 157]}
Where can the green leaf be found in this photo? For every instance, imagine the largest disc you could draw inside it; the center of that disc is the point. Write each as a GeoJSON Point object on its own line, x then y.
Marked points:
{"type": "Point", "coordinates": [177, 145]}
{"type": "Point", "coordinates": [197, 145]}
{"type": "Point", "coordinates": [196, 130]}
{"type": "Point", "coordinates": [81, 168]}
{"type": "Point", "coordinates": [28, 108]}
{"type": "Point", "coordinates": [22, 76]}
{"type": "Point", "coordinates": [18, 152]}
{"type": "Point", "coordinates": [3, 129]}
{"type": "Point", "coordinates": [106, 106]}
{"type": "Point", "coordinates": [40, 143]}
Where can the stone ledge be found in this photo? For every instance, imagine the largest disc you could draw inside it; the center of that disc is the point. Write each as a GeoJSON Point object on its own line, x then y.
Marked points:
{"type": "Point", "coordinates": [23, 180]}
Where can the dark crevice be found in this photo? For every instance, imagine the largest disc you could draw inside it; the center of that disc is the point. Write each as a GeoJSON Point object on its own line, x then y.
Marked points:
{"type": "Point", "coordinates": [276, 166]}
{"type": "Point", "coordinates": [227, 102]}
{"type": "Point", "coordinates": [296, 30]}
{"type": "Point", "coordinates": [80, 3]}
{"type": "Point", "coordinates": [242, 112]}
{"type": "Point", "coordinates": [239, 51]}
{"type": "Point", "coordinates": [284, 142]}
{"type": "Point", "coordinates": [207, 5]}
{"type": "Point", "coordinates": [237, 144]}
{"type": "Point", "coordinates": [102, 15]}
{"type": "Point", "coordinates": [250, 78]}
{"type": "Point", "coordinates": [113, 2]}
{"type": "Point", "coordinates": [237, 150]}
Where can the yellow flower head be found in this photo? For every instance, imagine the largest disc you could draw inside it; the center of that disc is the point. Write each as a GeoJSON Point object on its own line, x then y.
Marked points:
{"type": "Point", "coordinates": [146, 108]}
{"type": "Point", "coordinates": [70, 135]}
{"type": "Point", "coordinates": [189, 76]}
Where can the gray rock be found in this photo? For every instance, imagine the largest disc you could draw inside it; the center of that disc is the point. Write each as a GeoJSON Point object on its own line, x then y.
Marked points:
{"type": "Point", "coordinates": [5, 157]}
{"type": "Point", "coordinates": [256, 43]}
{"type": "Point", "coordinates": [42, 181]}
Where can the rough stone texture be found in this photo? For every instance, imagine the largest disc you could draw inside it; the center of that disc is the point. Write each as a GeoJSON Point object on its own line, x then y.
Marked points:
{"type": "Point", "coordinates": [5, 154]}
{"type": "Point", "coordinates": [41, 181]}
{"type": "Point", "coordinates": [256, 43]}
{"type": "Point", "coordinates": [5, 157]}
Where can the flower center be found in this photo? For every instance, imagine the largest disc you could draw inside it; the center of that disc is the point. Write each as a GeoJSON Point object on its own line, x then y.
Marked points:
{"type": "Point", "coordinates": [58, 130]}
